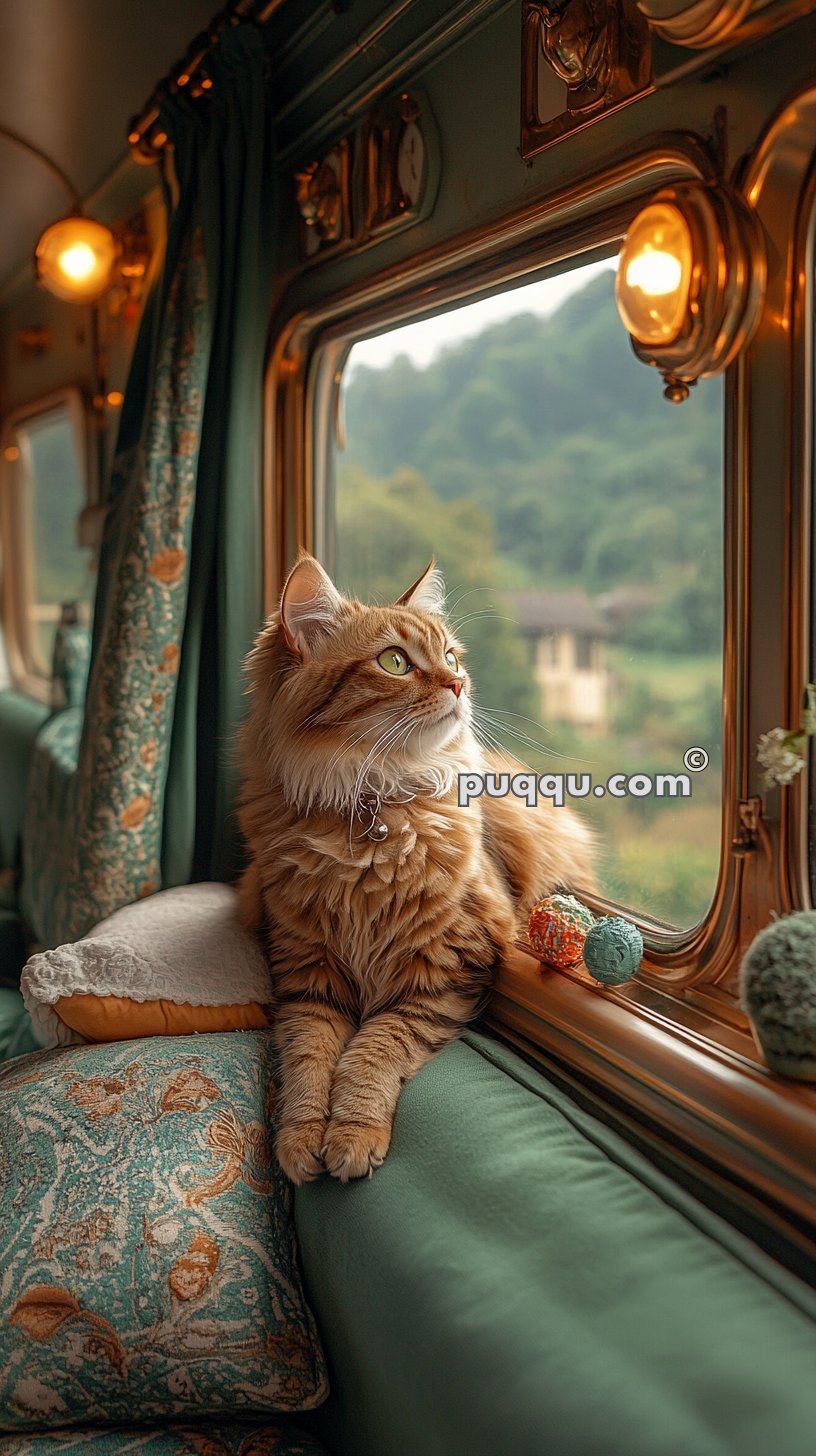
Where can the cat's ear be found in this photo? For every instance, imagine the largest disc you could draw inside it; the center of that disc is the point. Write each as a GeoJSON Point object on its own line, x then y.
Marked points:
{"type": "Point", "coordinates": [427, 592]}
{"type": "Point", "coordinates": [310, 606]}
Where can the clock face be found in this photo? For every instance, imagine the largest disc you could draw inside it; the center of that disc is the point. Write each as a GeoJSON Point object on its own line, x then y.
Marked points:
{"type": "Point", "coordinates": [411, 163]}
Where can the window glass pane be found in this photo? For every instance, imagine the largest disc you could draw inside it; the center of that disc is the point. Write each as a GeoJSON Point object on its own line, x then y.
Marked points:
{"type": "Point", "coordinates": [577, 517]}
{"type": "Point", "coordinates": [62, 570]}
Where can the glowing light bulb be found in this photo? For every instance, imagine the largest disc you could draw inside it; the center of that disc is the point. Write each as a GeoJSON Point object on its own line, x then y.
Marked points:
{"type": "Point", "coordinates": [655, 272]}
{"type": "Point", "coordinates": [77, 261]}
{"type": "Point", "coordinates": [654, 275]}
{"type": "Point", "coordinates": [75, 258]}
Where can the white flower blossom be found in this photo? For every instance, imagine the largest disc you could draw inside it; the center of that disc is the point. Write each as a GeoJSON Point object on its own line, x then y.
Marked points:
{"type": "Point", "coordinates": [778, 756]}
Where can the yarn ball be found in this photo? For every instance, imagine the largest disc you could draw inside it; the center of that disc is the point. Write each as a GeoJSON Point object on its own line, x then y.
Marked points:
{"type": "Point", "coordinates": [557, 930]}
{"type": "Point", "coordinates": [778, 992]}
{"type": "Point", "coordinates": [613, 950]}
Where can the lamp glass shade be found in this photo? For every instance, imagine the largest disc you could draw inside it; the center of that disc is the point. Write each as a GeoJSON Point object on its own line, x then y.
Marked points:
{"type": "Point", "coordinates": [75, 258]}
{"type": "Point", "coordinates": [654, 274]}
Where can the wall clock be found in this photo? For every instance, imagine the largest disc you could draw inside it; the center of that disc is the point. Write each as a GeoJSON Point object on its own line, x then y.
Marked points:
{"type": "Point", "coordinates": [401, 162]}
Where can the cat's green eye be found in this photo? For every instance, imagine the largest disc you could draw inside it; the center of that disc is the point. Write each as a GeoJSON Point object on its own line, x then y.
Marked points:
{"type": "Point", "coordinates": [394, 662]}
{"type": "Point", "coordinates": [452, 660]}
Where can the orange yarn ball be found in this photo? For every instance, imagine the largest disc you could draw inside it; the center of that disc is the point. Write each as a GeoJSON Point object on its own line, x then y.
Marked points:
{"type": "Point", "coordinates": [557, 929]}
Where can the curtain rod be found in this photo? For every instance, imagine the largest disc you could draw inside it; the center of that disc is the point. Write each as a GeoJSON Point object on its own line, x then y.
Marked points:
{"type": "Point", "coordinates": [146, 139]}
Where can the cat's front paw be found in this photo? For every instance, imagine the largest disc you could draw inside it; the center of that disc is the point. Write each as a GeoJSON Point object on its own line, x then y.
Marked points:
{"type": "Point", "coordinates": [297, 1147]}
{"type": "Point", "coordinates": [354, 1149]}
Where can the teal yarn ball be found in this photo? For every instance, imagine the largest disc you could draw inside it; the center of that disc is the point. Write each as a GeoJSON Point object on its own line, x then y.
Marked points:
{"type": "Point", "coordinates": [778, 991]}
{"type": "Point", "coordinates": [613, 950]}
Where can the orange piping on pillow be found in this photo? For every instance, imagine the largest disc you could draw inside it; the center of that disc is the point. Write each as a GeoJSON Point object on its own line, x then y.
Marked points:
{"type": "Point", "coordinates": [117, 1018]}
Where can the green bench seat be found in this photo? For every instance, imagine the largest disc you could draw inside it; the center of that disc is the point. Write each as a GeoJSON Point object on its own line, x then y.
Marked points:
{"type": "Point", "coordinates": [516, 1280]}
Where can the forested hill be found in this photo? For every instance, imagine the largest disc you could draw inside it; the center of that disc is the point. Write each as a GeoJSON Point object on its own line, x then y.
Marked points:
{"type": "Point", "coordinates": [564, 439]}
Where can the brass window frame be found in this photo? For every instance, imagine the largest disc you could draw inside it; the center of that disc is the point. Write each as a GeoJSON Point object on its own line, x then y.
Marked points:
{"type": "Point", "coordinates": [16, 535]}
{"type": "Point", "coordinates": [672, 1046]}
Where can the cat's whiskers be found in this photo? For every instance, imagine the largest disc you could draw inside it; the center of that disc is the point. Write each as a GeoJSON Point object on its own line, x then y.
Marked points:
{"type": "Point", "coordinates": [356, 717]}
{"type": "Point", "coordinates": [489, 741]}
{"type": "Point", "coordinates": [312, 720]}
{"type": "Point", "coordinates": [393, 742]}
{"type": "Point", "coordinates": [498, 747]}
{"type": "Point", "coordinates": [506, 713]}
{"type": "Point", "coordinates": [347, 744]}
{"type": "Point", "coordinates": [451, 607]}
{"type": "Point", "coordinates": [312, 785]}
{"type": "Point", "coordinates": [483, 715]}
{"type": "Point", "coordinates": [346, 747]}
{"type": "Point", "coordinates": [382, 744]}
{"type": "Point", "coordinates": [333, 798]}
{"type": "Point", "coordinates": [487, 612]}
{"type": "Point", "coordinates": [498, 713]}
{"type": "Point", "coordinates": [500, 728]}
{"type": "Point", "coordinates": [493, 745]}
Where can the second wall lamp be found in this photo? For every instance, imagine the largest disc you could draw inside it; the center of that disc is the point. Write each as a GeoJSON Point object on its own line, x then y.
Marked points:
{"type": "Point", "coordinates": [691, 282]}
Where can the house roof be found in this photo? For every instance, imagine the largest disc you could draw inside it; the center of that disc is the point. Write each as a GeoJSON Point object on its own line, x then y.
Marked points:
{"type": "Point", "coordinates": [629, 600]}
{"type": "Point", "coordinates": [552, 611]}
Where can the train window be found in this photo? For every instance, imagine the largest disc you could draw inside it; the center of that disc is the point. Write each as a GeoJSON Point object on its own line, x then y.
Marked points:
{"type": "Point", "coordinates": [44, 493]}
{"type": "Point", "coordinates": [577, 517]}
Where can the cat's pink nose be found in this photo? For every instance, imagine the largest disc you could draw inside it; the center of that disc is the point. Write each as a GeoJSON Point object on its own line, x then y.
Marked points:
{"type": "Point", "coordinates": [455, 685]}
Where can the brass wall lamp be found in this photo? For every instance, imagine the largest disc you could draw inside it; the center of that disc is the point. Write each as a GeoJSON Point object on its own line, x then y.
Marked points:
{"type": "Point", "coordinates": [74, 257]}
{"type": "Point", "coordinates": [691, 282]}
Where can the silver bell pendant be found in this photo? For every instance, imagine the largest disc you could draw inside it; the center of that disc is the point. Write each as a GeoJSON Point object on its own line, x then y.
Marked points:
{"type": "Point", "coordinates": [377, 829]}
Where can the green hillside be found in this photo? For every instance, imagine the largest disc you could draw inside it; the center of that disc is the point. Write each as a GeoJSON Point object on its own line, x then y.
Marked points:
{"type": "Point", "coordinates": [541, 456]}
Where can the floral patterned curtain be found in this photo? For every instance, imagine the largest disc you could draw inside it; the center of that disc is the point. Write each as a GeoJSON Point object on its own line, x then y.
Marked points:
{"type": "Point", "coordinates": [180, 593]}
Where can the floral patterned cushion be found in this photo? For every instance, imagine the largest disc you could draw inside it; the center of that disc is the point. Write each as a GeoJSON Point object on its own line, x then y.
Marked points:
{"type": "Point", "coordinates": [215, 1439]}
{"type": "Point", "coordinates": [148, 1262]}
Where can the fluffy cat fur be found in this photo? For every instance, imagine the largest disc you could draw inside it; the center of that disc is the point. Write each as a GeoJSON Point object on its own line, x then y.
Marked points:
{"type": "Point", "coordinates": [381, 952]}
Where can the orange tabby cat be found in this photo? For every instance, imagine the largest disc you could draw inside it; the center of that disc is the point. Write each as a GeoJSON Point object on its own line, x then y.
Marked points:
{"type": "Point", "coordinates": [385, 906]}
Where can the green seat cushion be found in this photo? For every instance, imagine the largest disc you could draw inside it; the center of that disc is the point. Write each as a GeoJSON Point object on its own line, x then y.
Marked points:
{"type": "Point", "coordinates": [16, 1032]}
{"type": "Point", "coordinates": [148, 1263]}
{"type": "Point", "coordinates": [517, 1281]}
{"type": "Point", "coordinates": [216, 1438]}
{"type": "Point", "coordinates": [21, 719]}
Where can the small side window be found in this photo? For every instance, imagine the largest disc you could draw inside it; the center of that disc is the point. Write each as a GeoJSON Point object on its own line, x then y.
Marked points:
{"type": "Point", "coordinates": [49, 574]}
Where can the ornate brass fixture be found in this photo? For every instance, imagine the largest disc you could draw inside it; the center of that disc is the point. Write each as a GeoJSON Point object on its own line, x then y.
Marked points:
{"type": "Point", "coordinates": [322, 190]}
{"type": "Point", "coordinates": [696, 23]}
{"type": "Point", "coordinates": [392, 183]}
{"type": "Point", "coordinates": [581, 59]}
{"type": "Point", "coordinates": [691, 280]}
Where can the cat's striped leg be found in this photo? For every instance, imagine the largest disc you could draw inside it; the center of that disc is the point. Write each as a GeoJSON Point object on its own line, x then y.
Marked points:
{"type": "Point", "coordinates": [386, 1052]}
{"type": "Point", "coordinates": [311, 1035]}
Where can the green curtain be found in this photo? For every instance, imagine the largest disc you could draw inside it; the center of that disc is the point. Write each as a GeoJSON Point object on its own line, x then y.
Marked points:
{"type": "Point", "coordinates": [236, 183]}
{"type": "Point", "coordinates": [180, 589]}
